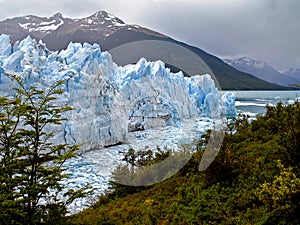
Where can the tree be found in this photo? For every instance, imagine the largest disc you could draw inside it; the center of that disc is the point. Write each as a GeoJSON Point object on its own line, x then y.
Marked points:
{"type": "Point", "coordinates": [31, 165]}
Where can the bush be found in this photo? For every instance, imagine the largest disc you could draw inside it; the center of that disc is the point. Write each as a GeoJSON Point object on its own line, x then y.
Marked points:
{"type": "Point", "coordinates": [253, 180]}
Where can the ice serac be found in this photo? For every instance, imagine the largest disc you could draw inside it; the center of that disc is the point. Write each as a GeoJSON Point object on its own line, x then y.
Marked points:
{"type": "Point", "coordinates": [151, 96]}
{"type": "Point", "coordinates": [5, 46]}
{"type": "Point", "coordinates": [110, 101]}
{"type": "Point", "coordinates": [228, 100]}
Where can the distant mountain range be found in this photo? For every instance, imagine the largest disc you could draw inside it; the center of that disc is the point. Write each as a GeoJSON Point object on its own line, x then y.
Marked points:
{"type": "Point", "coordinates": [294, 73]}
{"type": "Point", "coordinates": [110, 32]}
{"type": "Point", "coordinates": [265, 72]}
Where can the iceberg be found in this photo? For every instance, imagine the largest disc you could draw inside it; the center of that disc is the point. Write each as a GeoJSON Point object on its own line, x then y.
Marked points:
{"type": "Point", "coordinates": [110, 101]}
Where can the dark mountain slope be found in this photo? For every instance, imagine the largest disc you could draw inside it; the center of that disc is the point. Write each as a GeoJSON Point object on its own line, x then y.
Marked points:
{"type": "Point", "coordinates": [111, 32]}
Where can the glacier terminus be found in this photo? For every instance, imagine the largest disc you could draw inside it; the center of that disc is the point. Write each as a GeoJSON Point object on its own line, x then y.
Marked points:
{"type": "Point", "coordinates": [108, 100]}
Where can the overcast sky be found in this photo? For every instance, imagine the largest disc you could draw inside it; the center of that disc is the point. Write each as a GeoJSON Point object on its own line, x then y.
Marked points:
{"type": "Point", "coordinates": [266, 30]}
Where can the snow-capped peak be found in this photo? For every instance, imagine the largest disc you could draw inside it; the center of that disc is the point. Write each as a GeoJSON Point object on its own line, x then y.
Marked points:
{"type": "Point", "coordinates": [292, 71]}
{"type": "Point", "coordinates": [264, 71]}
{"type": "Point", "coordinates": [103, 17]}
{"type": "Point", "coordinates": [250, 62]}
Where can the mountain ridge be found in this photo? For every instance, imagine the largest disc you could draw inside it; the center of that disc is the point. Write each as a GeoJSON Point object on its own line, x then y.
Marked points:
{"type": "Point", "coordinates": [109, 31]}
{"type": "Point", "coordinates": [293, 72]}
{"type": "Point", "coordinates": [265, 71]}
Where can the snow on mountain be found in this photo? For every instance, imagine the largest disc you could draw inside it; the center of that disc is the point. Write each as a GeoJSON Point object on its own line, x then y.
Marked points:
{"type": "Point", "coordinates": [294, 73]}
{"type": "Point", "coordinates": [100, 21]}
{"type": "Point", "coordinates": [46, 28]}
{"type": "Point", "coordinates": [41, 26]}
{"type": "Point", "coordinates": [110, 32]}
{"type": "Point", "coordinates": [247, 61]}
{"type": "Point", "coordinates": [262, 70]}
{"type": "Point", "coordinates": [110, 101]}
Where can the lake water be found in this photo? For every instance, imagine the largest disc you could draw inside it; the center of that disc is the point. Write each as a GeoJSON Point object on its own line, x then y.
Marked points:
{"type": "Point", "coordinates": [254, 102]}
{"type": "Point", "coordinates": [95, 167]}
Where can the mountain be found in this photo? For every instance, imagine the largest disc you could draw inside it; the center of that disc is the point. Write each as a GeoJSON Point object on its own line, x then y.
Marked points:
{"type": "Point", "coordinates": [294, 73]}
{"type": "Point", "coordinates": [57, 31]}
{"type": "Point", "coordinates": [264, 71]}
{"type": "Point", "coordinates": [110, 32]}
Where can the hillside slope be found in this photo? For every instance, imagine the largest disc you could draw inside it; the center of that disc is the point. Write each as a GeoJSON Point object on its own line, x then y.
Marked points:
{"type": "Point", "coordinates": [254, 179]}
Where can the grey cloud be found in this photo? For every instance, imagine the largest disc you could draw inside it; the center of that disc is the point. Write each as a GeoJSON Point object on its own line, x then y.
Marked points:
{"type": "Point", "coordinates": [266, 30]}
{"type": "Point", "coordinates": [260, 29]}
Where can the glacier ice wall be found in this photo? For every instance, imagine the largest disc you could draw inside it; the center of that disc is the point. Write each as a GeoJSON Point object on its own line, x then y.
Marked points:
{"type": "Point", "coordinates": [110, 101]}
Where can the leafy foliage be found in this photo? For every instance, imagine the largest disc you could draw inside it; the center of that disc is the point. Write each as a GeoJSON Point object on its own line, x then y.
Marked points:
{"type": "Point", "coordinates": [253, 180]}
{"type": "Point", "coordinates": [134, 160]}
{"type": "Point", "coordinates": [31, 165]}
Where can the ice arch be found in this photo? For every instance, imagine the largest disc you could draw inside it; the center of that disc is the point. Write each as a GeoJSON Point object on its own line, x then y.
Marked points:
{"type": "Point", "coordinates": [151, 112]}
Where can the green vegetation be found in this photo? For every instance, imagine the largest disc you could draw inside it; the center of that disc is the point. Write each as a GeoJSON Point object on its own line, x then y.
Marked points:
{"type": "Point", "coordinates": [296, 85]}
{"type": "Point", "coordinates": [253, 180]}
{"type": "Point", "coordinates": [30, 164]}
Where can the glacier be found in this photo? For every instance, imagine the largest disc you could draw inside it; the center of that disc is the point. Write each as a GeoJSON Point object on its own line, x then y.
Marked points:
{"type": "Point", "coordinates": [141, 105]}
{"type": "Point", "coordinates": [109, 100]}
